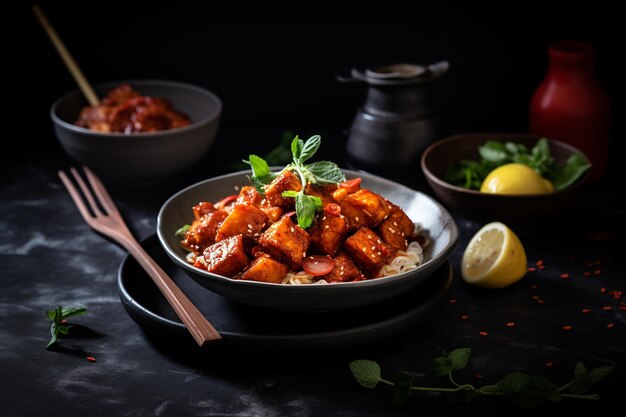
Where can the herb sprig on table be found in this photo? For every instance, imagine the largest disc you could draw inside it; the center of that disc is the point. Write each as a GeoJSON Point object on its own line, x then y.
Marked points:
{"type": "Point", "coordinates": [59, 324]}
{"type": "Point", "coordinates": [471, 173]}
{"type": "Point", "coordinates": [527, 390]}
{"type": "Point", "coordinates": [321, 172]}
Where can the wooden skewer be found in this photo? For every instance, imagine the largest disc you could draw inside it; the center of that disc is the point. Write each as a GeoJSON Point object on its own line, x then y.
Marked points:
{"type": "Point", "coordinates": [78, 75]}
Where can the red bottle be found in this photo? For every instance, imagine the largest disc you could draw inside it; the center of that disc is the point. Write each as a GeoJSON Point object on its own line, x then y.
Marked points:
{"type": "Point", "coordinates": [570, 104]}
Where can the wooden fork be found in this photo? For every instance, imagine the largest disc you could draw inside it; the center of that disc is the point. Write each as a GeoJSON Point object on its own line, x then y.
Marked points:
{"type": "Point", "coordinates": [109, 222]}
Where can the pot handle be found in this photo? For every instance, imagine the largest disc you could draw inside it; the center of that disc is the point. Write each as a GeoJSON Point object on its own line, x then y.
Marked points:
{"type": "Point", "coordinates": [349, 75]}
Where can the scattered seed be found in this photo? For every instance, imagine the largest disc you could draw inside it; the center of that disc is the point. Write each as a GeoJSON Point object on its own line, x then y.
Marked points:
{"type": "Point", "coordinates": [532, 269]}
{"type": "Point", "coordinates": [607, 308]}
{"type": "Point", "coordinates": [535, 297]}
{"type": "Point", "coordinates": [510, 324]}
{"type": "Point", "coordinates": [567, 327]}
{"type": "Point", "coordinates": [90, 358]}
{"type": "Point", "coordinates": [369, 236]}
{"type": "Point", "coordinates": [602, 290]}
{"type": "Point", "coordinates": [549, 364]}
{"type": "Point", "coordinates": [356, 218]}
{"type": "Point", "coordinates": [483, 334]}
{"type": "Point", "coordinates": [564, 276]}
{"type": "Point", "coordinates": [534, 286]}
{"type": "Point", "coordinates": [373, 247]}
{"type": "Point", "coordinates": [542, 267]}
{"type": "Point", "coordinates": [465, 317]}
{"type": "Point", "coordinates": [364, 249]}
{"type": "Point", "coordinates": [539, 262]}
{"type": "Point", "coordinates": [587, 274]}
{"type": "Point", "coordinates": [452, 300]}
{"type": "Point", "coordinates": [327, 227]}
{"type": "Point", "coordinates": [598, 262]}
{"type": "Point", "coordinates": [616, 294]}
{"type": "Point", "coordinates": [597, 272]}
{"type": "Point", "coordinates": [540, 301]}
{"type": "Point", "coordinates": [586, 310]}
{"type": "Point", "coordinates": [293, 230]}
{"type": "Point", "coordinates": [610, 325]}
{"type": "Point", "coordinates": [379, 253]}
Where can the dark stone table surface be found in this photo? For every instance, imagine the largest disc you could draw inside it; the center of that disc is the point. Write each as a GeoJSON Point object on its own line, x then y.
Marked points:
{"type": "Point", "coordinates": [50, 257]}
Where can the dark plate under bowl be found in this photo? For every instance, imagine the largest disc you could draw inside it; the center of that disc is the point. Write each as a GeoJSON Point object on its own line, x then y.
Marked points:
{"type": "Point", "coordinates": [257, 328]}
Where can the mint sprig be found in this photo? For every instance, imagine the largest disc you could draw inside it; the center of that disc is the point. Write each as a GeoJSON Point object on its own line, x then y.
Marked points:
{"type": "Point", "coordinates": [59, 325]}
{"type": "Point", "coordinates": [527, 390]}
{"type": "Point", "coordinates": [321, 172]}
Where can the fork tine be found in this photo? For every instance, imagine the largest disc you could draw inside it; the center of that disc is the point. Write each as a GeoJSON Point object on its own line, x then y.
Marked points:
{"type": "Point", "coordinates": [86, 192]}
{"type": "Point", "coordinates": [101, 192]}
{"type": "Point", "coordinates": [76, 197]}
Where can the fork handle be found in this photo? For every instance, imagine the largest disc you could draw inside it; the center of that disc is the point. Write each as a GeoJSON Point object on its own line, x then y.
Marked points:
{"type": "Point", "coordinates": [199, 327]}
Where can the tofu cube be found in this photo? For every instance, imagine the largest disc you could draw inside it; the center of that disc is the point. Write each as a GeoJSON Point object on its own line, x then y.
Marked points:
{"type": "Point", "coordinates": [249, 195]}
{"type": "Point", "coordinates": [368, 251]}
{"type": "Point", "coordinates": [265, 269]}
{"type": "Point", "coordinates": [202, 232]}
{"type": "Point", "coordinates": [286, 242]}
{"type": "Point", "coordinates": [344, 270]}
{"type": "Point", "coordinates": [226, 257]}
{"type": "Point", "coordinates": [328, 235]}
{"type": "Point", "coordinates": [364, 208]}
{"type": "Point", "coordinates": [396, 229]}
{"type": "Point", "coordinates": [287, 181]}
{"type": "Point", "coordinates": [244, 220]}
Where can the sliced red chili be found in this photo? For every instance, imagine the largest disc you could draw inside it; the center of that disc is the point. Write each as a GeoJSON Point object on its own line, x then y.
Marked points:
{"type": "Point", "coordinates": [332, 209]}
{"type": "Point", "coordinates": [226, 201]}
{"type": "Point", "coordinates": [352, 186]}
{"type": "Point", "coordinates": [289, 214]}
{"type": "Point", "coordinates": [317, 265]}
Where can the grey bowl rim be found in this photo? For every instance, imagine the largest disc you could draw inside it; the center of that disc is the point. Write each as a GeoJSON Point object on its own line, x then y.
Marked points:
{"type": "Point", "coordinates": [430, 176]}
{"type": "Point", "coordinates": [119, 135]}
{"type": "Point", "coordinates": [444, 255]}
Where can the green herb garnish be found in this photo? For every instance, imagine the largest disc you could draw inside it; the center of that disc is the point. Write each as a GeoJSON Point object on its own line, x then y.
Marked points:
{"type": "Point", "coordinates": [59, 325]}
{"type": "Point", "coordinates": [322, 172]}
{"type": "Point", "coordinates": [471, 174]}
{"type": "Point", "coordinates": [280, 155]}
{"type": "Point", "coordinates": [182, 232]}
{"type": "Point", "coordinates": [527, 390]}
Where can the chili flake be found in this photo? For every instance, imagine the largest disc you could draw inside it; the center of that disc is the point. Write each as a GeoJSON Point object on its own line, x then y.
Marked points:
{"type": "Point", "coordinates": [567, 327]}
{"type": "Point", "coordinates": [607, 308]}
{"type": "Point", "coordinates": [610, 325]}
{"type": "Point", "coordinates": [532, 269]}
{"type": "Point", "coordinates": [586, 310]}
{"type": "Point", "coordinates": [564, 276]}
{"type": "Point", "coordinates": [549, 364]}
{"type": "Point", "coordinates": [90, 358]}
{"type": "Point", "coordinates": [465, 317]}
{"type": "Point", "coordinates": [539, 262]}
{"type": "Point", "coordinates": [452, 300]}
{"type": "Point", "coordinates": [510, 324]}
{"type": "Point", "coordinates": [483, 334]}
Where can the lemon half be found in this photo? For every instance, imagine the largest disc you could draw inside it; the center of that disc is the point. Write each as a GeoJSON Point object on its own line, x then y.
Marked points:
{"type": "Point", "coordinates": [516, 178]}
{"type": "Point", "coordinates": [494, 257]}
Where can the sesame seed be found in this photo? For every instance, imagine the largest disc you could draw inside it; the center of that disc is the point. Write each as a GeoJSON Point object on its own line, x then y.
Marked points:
{"type": "Point", "coordinates": [324, 218]}
{"type": "Point", "coordinates": [373, 247]}
{"type": "Point", "coordinates": [249, 231]}
{"type": "Point", "coordinates": [369, 236]}
{"type": "Point", "coordinates": [293, 230]}
{"type": "Point", "coordinates": [378, 241]}
{"type": "Point", "coordinates": [327, 227]}
{"type": "Point", "coordinates": [393, 231]}
{"type": "Point", "coordinates": [310, 257]}
{"type": "Point", "coordinates": [249, 226]}
{"type": "Point", "coordinates": [395, 224]}
{"type": "Point", "coordinates": [315, 263]}
{"type": "Point", "coordinates": [341, 273]}
{"type": "Point", "coordinates": [303, 254]}
{"type": "Point", "coordinates": [364, 249]}
{"type": "Point", "coordinates": [379, 254]}
{"type": "Point", "coordinates": [356, 218]}
{"type": "Point", "coordinates": [402, 234]}
{"type": "Point", "coordinates": [373, 256]}
{"type": "Point", "coordinates": [256, 234]}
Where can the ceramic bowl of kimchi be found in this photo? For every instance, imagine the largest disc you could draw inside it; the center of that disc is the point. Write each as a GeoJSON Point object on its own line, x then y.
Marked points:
{"type": "Point", "coordinates": [141, 132]}
{"type": "Point", "coordinates": [252, 247]}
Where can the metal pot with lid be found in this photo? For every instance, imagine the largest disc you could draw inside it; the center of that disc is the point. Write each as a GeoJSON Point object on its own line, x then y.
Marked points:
{"type": "Point", "coordinates": [398, 119]}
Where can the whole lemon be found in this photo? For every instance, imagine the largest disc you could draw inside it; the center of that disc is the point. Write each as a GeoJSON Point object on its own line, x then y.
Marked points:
{"type": "Point", "coordinates": [515, 178]}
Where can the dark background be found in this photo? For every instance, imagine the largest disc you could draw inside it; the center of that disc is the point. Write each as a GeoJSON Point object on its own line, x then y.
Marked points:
{"type": "Point", "coordinates": [279, 73]}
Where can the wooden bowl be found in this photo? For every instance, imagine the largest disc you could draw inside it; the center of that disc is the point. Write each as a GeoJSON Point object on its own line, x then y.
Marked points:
{"type": "Point", "coordinates": [510, 209]}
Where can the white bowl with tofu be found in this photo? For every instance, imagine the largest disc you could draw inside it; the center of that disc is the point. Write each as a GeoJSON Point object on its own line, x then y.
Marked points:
{"type": "Point", "coordinates": [436, 223]}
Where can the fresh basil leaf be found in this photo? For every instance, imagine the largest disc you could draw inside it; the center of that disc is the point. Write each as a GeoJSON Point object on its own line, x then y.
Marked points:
{"type": "Point", "coordinates": [366, 372]}
{"type": "Point", "coordinates": [493, 151]}
{"type": "Point", "coordinates": [441, 366]}
{"type": "Point", "coordinates": [260, 169]}
{"type": "Point", "coordinates": [182, 232]}
{"type": "Point", "coordinates": [598, 374]}
{"type": "Point", "coordinates": [53, 337]}
{"type": "Point", "coordinates": [63, 329]}
{"type": "Point", "coordinates": [402, 382]}
{"type": "Point", "coordinates": [296, 148]}
{"type": "Point", "coordinates": [459, 358]}
{"type": "Point", "coordinates": [518, 387]}
{"type": "Point", "coordinates": [541, 150]}
{"type": "Point", "coordinates": [582, 381]}
{"type": "Point", "coordinates": [310, 147]}
{"type": "Point", "coordinates": [72, 311]}
{"type": "Point", "coordinates": [575, 167]}
{"type": "Point", "coordinates": [326, 172]}
{"type": "Point", "coordinates": [546, 389]}
{"type": "Point", "coordinates": [305, 210]}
